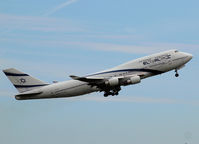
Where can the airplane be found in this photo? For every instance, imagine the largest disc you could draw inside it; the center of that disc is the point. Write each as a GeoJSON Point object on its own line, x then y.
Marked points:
{"type": "Point", "coordinates": [108, 81]}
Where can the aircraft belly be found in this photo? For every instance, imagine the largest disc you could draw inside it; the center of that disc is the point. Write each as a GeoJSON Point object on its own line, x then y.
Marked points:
{"type": "Point", "coordinates": [76, 91]}
{"type": "Point", "coordinates": [69, 91]}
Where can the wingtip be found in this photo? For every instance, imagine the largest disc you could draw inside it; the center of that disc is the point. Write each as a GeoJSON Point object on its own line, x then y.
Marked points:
{"type": "Point", "coordinates": [74, 77]}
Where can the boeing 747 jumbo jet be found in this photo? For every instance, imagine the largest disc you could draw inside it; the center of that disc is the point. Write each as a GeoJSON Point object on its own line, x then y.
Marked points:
{"type": "Point", "coordinates": [107, 81]}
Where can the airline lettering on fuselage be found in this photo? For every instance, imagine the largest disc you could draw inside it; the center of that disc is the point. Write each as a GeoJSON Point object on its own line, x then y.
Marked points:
{"type": "Point", "coordinates": [156, 59]}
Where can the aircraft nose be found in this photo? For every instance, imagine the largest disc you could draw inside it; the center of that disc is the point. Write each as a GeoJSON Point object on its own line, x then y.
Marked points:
{"type": "Point", "coordinates": [189, 56]}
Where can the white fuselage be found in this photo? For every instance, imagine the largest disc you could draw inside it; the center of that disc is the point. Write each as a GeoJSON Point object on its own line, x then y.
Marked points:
{"type": "Point", "coordinates": [147, 66]}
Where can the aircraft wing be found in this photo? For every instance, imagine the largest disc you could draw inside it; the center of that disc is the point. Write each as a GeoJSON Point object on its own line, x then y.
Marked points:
{"type": "Point", "coordinates": [102, 79]}
{"type": "Point", "coordinates": [89, 80]}
{"type": "Point", "coordinates": [109, 85]}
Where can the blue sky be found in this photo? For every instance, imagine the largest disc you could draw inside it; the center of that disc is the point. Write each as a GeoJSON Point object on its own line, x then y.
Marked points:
{"type": "Point", "coordinates": [54, 39]}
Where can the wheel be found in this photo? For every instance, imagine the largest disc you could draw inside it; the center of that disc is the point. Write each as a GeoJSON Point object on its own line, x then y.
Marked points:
{"type": "Point", "coordinates": [177, 75]}
{"type": "Point", "coordinates": [105, 95]}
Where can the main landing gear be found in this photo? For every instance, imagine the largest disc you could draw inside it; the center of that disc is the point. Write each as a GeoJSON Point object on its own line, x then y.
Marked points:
{"type": "Point", "coordinates": [176, 71]}
{"type": "Point", "coordinates": [106, 94]}
{"type": "Point", "coordinates": [112, 92]}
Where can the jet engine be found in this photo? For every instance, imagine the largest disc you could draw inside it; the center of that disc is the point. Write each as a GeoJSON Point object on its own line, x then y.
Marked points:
{"type": "Point", "coordinates": [133, 80]}
{"type": "Point", "coordinates": [112, 82]}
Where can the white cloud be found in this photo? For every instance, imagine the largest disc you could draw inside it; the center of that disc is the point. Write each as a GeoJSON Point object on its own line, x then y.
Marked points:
{"type": "Point", "coordinates": [141, 48]}
{"type": "Point", "coordinates": [144, 48]}
{"type": "Point", "coordinates": [61, 6]}
{"type": "Point", "coordinates": [34, 23]}
{"type": "Point", "coordinates": [80, 40]}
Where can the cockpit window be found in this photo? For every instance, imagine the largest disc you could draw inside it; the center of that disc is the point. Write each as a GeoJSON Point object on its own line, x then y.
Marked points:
{"type": "Point", "coordinates": [176, 51]}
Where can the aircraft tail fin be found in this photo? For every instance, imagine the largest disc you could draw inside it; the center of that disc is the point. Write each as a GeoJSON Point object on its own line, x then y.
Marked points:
{"type": "Point", "coordinates": [22, 81]}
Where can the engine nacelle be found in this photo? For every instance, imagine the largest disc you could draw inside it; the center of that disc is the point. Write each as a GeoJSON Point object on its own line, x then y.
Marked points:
{"type": "Point", "coordinates": [112, 82]}
{"type": "Point", "coordinates": [133, 80]}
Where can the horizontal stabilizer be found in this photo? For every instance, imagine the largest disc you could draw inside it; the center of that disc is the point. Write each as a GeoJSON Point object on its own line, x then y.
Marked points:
{"type": "Point", "coordinates": [27, 95]}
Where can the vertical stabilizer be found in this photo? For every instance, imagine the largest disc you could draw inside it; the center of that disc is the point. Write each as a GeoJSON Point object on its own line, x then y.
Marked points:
{"type": "Point", "coordinates": [22, 81]}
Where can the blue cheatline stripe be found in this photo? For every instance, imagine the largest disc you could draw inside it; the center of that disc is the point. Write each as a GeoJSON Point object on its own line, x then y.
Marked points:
{"type": "Point", "coordinates": [15, 74]}
{"type": "Point", "coordinates": [130, 70]}
{"type": "Point", "coordinates": [29, 86]}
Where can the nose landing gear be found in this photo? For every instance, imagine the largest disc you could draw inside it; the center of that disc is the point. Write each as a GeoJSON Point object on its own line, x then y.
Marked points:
{"type": "Point", "coordinates": [176, 71]}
